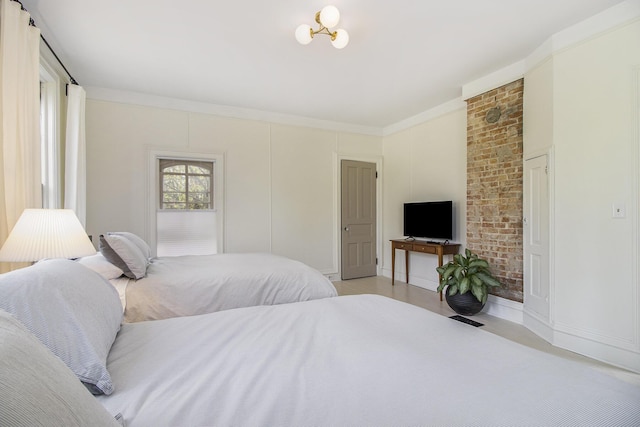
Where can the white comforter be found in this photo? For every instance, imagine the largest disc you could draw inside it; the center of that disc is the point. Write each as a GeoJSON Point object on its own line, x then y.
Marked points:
{"type": "Point", "coordinates": [349, 361]}
{"type": "Point", "coordinates": [198, 284]}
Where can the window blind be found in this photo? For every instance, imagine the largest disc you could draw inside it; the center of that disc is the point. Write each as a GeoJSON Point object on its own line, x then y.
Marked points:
{"type": "Point", "coordinates": [186, 232]}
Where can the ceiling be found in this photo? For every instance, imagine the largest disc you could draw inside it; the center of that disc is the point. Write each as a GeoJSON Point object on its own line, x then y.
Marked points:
{"type": "Point", "coordinates": [404, 57]}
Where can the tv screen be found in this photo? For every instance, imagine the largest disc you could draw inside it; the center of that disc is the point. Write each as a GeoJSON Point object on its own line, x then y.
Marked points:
{"type": "Point", "coordinates": [431, 220]}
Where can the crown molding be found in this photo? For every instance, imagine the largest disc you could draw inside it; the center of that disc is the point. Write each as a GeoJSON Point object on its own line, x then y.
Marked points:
{"type": "Point", "coordinates": [608, 20]}
{"type": "Point", "coordinates": [620, 14]}
{"type": "Point", "coordinates": [147, 100]}
{"type": "Point", "coordinates": [440, 110]}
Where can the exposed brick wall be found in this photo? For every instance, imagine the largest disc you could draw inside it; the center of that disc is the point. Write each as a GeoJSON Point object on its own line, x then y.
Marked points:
{"type": "Point", "coordinates": [494, 185]}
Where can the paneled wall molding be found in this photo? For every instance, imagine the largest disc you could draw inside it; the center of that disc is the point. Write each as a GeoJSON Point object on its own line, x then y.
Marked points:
{"type": "Point", "coordinates": [635, 150]}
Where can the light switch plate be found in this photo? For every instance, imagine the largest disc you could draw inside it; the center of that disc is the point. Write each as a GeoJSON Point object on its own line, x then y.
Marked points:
{"type": "Point", "coordinates": [619, 210]}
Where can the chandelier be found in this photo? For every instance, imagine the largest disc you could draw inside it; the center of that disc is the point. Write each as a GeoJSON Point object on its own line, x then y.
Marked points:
{"type": "Point", "coordinates": [327, 18]}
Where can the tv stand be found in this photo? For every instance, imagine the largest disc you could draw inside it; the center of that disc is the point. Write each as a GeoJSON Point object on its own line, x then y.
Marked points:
{"type": "Point", "coordinates": [423, 246]}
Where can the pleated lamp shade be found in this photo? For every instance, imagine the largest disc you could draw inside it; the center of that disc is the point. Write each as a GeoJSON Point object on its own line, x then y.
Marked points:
{"type": "Point", "coordinates": [46, 233]}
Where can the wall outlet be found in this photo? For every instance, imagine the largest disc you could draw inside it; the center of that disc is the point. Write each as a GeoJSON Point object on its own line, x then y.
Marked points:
{"type": "Point", "coordinates": [619, 210]}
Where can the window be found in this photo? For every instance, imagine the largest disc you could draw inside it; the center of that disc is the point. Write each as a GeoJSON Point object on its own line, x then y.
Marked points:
{"type": "Point", "coordinates": [49, 137]}
{"type": "Point", "coordinates": [187, 205]}
{"type": "Point", "coordinates": [186, 184]}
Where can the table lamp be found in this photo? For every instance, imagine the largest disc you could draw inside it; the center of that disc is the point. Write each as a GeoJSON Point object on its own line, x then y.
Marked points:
{"type": "Point", "coordinates": [46, 233]}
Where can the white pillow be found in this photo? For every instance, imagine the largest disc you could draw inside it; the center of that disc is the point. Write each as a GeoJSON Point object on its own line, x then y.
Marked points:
{"type": "Point", "coordinates": [100, 265]}
{"type": "Point", "coordinates": [121, 252]}
{"type": "Point", "coordinates": [37, 388]}
{"type": "Point", "coordinates": [136, 240]}
{"type": "Point", "coordinates": [72, 310]}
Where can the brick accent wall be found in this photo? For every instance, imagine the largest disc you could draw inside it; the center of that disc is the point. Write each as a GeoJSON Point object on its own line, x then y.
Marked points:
{"type": "Point", "coordinates": [494, 184]}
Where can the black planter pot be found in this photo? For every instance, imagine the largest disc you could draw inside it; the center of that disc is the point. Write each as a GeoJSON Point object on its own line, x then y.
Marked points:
{"type": "Point", "coordinates": [466, 304]}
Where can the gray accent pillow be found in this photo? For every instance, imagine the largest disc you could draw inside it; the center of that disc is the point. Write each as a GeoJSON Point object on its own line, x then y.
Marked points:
{"type": "Point", "coordinates": [136, 240]}
{"type": "Point", "coordinates": [123, 253]}
{"type": "Point", "coordinates": [37, 388]}
{"type": "Point", "coordinates": [72, 310]}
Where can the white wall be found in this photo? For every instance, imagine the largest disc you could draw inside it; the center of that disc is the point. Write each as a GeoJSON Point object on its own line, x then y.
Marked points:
{"type": "Point", "coordinates": [280, 182]}
{"type": "Point", "coordinates": [427, 162]}
{"type": "Point", "coordinates": [581, 105]}
{"type": "Point", "coordinates": [595, 138]}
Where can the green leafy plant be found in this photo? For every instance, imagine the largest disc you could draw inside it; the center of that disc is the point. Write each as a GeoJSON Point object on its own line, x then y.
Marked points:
{"type": "Point", "coordinates": [467, 273]}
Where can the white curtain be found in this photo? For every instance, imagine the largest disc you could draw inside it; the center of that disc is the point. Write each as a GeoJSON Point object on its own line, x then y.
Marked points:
{"type": "Point", "coordinates": [75, 174]}
{"type": "Point", "coordinates": [20, 178]}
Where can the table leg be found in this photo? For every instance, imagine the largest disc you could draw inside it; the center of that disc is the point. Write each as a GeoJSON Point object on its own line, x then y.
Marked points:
{"type": "Point", "coordinates": [439, 265]}
{"type": "Point", "coordinates": [406, 264]}
{"type": "Point", "coordinates": [393, 265]}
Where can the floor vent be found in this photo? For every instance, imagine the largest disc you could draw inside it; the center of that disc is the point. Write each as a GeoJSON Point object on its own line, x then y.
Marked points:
{"type": "Point", "coordinates": [467, 321]}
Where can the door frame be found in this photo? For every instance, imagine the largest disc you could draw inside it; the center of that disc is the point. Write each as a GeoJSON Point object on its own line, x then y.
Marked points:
{"type": "Point", "coordinates": [337, 236]}
{"type": "Point", "coordinates": [544, 327]}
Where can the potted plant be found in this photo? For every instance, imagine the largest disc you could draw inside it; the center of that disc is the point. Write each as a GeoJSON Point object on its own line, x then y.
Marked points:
{"type": "Point", "coordinates": [467, 280]}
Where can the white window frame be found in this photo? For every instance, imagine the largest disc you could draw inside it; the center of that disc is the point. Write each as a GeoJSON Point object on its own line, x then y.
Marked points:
{"type": "Point", "coordinates": [153, 193]}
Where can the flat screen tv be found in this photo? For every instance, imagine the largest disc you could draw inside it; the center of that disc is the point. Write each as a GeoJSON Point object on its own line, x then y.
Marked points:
{"type": "Point", "coordinates": [429, 220]}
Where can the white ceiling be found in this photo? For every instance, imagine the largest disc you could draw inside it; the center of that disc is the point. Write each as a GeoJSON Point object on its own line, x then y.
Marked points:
{"type": "Point", "coordinates": [404, 57]}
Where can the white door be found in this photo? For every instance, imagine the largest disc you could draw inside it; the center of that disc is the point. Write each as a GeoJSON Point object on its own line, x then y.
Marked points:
{"type": "Point", "coordinates": [358, 188]}
{"type": "Point", "coordinates": [536, 237]}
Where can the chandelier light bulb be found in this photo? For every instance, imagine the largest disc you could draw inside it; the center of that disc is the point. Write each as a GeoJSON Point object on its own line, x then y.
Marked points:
{"type": "Point", "coordinates": [329, 16]}
{"type": "Point", "coordinates": [304, 34]}
{"type": "Point", "coordinates": [341, 39]}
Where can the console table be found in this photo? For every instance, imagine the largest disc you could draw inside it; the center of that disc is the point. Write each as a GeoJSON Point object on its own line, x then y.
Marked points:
{"type": "Point", "coordinates": [420, 246]}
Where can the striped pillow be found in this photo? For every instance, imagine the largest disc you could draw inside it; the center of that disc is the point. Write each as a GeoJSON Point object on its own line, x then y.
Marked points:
{"type": "Point", "coordinates": [37, 388]}
{"type": "Point", "coordinates": [72, 310]}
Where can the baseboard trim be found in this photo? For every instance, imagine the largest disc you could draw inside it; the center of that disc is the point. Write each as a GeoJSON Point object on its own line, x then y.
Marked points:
{"type": "Point", "coordinates": [538, 326]}
{"type": "Point", "coordinates": [496, 306]}
{"type": "Point", "coordinates": [505, 309]}
{"type": "Point", "coordinates": [615, 356]}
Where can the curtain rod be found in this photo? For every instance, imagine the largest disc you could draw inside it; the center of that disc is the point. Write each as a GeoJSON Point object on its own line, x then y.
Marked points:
{"type": "Point", "coordinates": [33, 24]}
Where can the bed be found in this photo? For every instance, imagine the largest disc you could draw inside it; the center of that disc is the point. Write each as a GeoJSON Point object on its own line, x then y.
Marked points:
{"type": "Point", "coordinates": [360, 360]}
{"type": "Point", "coordinates": [164, 287]}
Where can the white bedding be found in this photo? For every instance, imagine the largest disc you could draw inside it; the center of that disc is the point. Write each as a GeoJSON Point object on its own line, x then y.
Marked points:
{"type": "Point", "coordinates": [120, 284]}
{"type": "Point", "coordinates": [349, 361]}
{"type": "Point", "coordinates": [198, 284]}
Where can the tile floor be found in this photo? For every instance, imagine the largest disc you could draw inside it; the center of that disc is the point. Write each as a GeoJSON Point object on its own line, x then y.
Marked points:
{"type": "Point", "coordinates": [430, 300]}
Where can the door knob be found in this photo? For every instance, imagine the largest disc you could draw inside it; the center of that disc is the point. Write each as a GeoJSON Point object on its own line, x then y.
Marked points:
{"type": "Point", "coordinates": [346, 228]}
